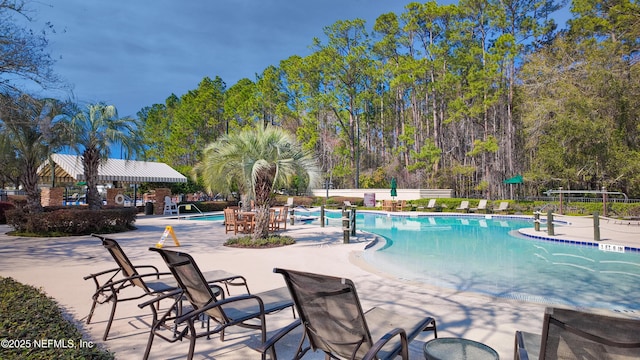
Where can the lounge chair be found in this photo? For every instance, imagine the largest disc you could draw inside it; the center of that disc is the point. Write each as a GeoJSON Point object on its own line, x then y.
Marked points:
{"type": "Point", "coordinates": [247, 310]}
{"type": "Point", "coordinates": [464, 205]}
{"type": "Point", "coordinates": [334, 322]}
{"type": "Point", "coordinates": [147, 278]}
{"type": "Point", "coordinates": [571, 334]}
{"type": "Point", "coordinates": [504, 206]}
{"type": "Point", "coordinates": [482, 205]}
{"type": "Point", "coordinates": [431, 204]}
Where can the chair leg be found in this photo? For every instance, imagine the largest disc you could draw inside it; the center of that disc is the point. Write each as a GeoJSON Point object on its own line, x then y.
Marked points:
{"type": "Point", "coordinates": [192, 341]}
{"type": "Point", "coordinates": [93, 307]}
{"type": "Point", "coordinates": [149, 343]}
{"type": "Point", "coordinates": [113, 313]}
{"type": "Point", "coordinates": [300, 351]}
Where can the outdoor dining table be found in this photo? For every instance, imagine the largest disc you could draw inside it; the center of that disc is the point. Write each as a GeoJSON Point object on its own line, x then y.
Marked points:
{"type": "Point", "coordinates": [249, 217]}
{"type": "Point", "coordinates": [458, 349]}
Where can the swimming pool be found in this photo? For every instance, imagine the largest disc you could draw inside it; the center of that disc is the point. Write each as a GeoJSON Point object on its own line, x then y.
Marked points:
{"type": "Point", "coordinates": [214, 217]}
{"type": "Point", "coordinates": [485, 254]}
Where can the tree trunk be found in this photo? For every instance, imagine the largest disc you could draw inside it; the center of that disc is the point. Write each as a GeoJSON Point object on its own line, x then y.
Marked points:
{"type": "Point", "coordinates": [30, 181]}
{"type": "Point", "coordinates": [261, 229]}
{"type": "Point", "coordinates": [91, 162]}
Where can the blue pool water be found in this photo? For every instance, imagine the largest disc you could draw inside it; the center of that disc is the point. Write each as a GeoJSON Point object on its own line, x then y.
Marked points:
{"type": "Point", "coordinates": [218, 217]}
{"type": "Point", "coordinates": [486, 255]}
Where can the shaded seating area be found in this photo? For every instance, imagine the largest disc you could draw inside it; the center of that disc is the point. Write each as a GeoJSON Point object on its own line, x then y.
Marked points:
{"type": "Point", "coordinates": [335, 323]}
{"type": "Point", "coordinates": [245, 221]}
{"type": "Point", "coordinates": [248, 310]}
{"type": "Point", "coordinates": [113, 285]}
{"type": "Point", "coordinates": [570, 334]}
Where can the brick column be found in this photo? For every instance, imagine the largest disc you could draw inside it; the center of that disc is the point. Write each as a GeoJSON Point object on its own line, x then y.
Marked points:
{"type": "Point", "coordinates": [158, 206]}
{"type": "Point", "coordinates": [111, 196]}
{"type": "Point", "coordinates": [52, 196]}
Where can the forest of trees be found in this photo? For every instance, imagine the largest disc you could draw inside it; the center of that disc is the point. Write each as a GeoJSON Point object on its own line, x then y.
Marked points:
{"type": "Point", "coordinates": [457, 96]}
{"type": "Point", "coordinates": [443, 96]}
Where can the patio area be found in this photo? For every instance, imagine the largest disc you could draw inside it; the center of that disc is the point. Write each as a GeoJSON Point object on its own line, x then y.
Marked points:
{"type": "Point", "coordinates": [58, 266]}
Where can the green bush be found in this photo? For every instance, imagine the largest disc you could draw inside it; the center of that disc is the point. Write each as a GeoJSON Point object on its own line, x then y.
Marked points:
{"type": "Point", "coordinates": [71, 221]}
{"type": "Point", "coordinates": [204, 206]}
{"type": "Point", "coordinates": [33, 327]}
{"type": "Point", "coordinates": [306, 201]}
{"type": "Point", "coordinates": [4, 206]}
{"type": "Point", "coordinates": [271, 241]}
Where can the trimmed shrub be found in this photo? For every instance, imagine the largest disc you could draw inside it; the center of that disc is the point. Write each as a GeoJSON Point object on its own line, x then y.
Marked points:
{"type": "Point", "coordinates": [36, 328]}
{"type": "Point", "coordinates": [204, 206]}
{"type": "Point", "coordinates": [306, 201]}
{"type": "Point", "coordinates": [4, 206]}
{"type": "Point", "coordinates": [269, 242]}
{"type": "Point", "coordinates": [75, 221]}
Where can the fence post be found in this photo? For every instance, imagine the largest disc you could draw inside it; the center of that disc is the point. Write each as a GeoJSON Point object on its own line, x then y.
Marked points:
{"type": "Point", "coordinates": [596, 226]}
{"type": "Point", "coordinates": [604, 201]}
{"type": "Point", "coordinates": [321, 215]}
{"type": "Point", "coordinates": [560, 188]}
{"type": "Point", "coordinates": [345, 225]}
{"type": "Point", "coordinates": [550, 223]}
{"type": "Point", "coordinates": [353, 221]}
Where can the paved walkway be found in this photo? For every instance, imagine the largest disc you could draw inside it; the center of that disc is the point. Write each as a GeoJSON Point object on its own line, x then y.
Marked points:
{"type": "Point", "coordinates": [57, 265]}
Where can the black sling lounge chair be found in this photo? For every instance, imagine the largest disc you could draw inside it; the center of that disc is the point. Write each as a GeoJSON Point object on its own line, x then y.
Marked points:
{"type": "Point", "coordinates": [334, 322]}
{"type": "Point", "coordinates": [570, 334]}
{"type": "Point", "coordinates": [241, 310]}
{"type": "Point", "coordinates": [147, 278]}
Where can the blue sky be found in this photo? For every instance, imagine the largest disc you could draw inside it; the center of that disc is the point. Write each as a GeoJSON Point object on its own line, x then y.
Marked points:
{"type": "Point", "coordinates": [135, 53]}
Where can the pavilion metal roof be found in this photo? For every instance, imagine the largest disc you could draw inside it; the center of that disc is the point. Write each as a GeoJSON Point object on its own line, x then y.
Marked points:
{"type": "Point", "coordinates": [69, 168]}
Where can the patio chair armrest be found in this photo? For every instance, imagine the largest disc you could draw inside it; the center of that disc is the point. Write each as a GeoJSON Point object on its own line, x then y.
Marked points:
{"type": "Point", "coordinates": [527, 345]}
{"type": "Point", "coordinates": [520, 352]}
{"type": "Point", "coordinates": [93, 276]}
{"type": "Point", "coordinates": [111, 284]}
{"type": "Point", "coordinates": [148, 267]}
{"type": "Point", "coordinates": [161, 297]}
{"type": "Point", "coordinates": [212, 305]}
{"type": "Point", "coordinates": [277, 336]}
{"type": "Point", "coordinates": [404, 351]}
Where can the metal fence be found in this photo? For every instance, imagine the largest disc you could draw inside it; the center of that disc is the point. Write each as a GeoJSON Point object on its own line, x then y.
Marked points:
{"type": "Point", "coordinates": [581, 199]}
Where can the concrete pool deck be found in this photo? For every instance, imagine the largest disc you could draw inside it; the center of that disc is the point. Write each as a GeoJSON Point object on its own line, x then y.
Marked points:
{"type": "Point", "coordinates": [58, 265]}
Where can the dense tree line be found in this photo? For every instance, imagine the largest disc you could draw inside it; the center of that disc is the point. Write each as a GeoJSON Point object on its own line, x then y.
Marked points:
{"type": "Point", "coordinates": [32, 128]}
{"type": "Point", "coordinates": [440, 96]}
{"type": "Point", "coordinates": [451, 96]}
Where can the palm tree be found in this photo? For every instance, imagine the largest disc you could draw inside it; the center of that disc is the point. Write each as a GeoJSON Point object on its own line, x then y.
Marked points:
{"type": "Point", "coordinates": [257, 161]}
{"type": "Point", "coordinates": [31, 129]}
{"type": "Point", "coordinates": [94, 131]}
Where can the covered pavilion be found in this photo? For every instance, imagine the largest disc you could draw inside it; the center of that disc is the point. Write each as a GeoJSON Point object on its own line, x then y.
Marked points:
{"type": "Point", "coordinates": [68, 170]}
